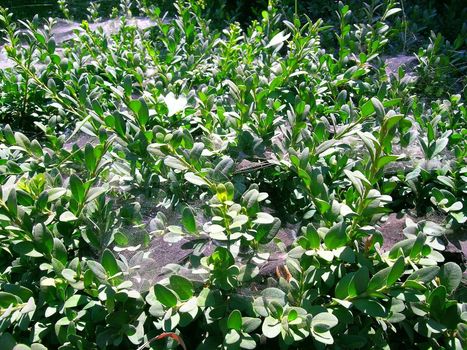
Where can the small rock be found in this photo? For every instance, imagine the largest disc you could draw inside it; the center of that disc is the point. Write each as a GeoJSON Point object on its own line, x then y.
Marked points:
{"type": "Point", "coordinates": [408, 63]}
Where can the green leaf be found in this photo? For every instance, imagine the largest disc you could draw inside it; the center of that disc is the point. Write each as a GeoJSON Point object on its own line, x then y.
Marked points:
{"type": "Point", "coordinates": [370, 143]}
{"type": "Point", "coordinates": [391, 103]}
{"type": "Point", "coordinates": [120, 124]}
{"type": "Point", "coordinates": [43, 239]}
{"type": "Point", "coordinates": [232, 338]}
{"type": "Point", "coordinates": [271, 327]}
{"type": "Point", "coordinates": [448, 181]}
{"type": "Point", "coordinates": [195, 179]}
{"type": "Point", "coordinates": [263, 219]}
{"type": "Point", "coordinates": [26, 248]}
{"type": "Point", "coordinates": [367, 108]}
{"type": "Point", "coordinates": [77, 188]}
{"type": "Point", "coordinates": [51, 45]}
{"type": "Point", "coordinates": [462, 328]}
{"type": "Point", "coordinates": [265, 233]}
{"type": "Point", "coordinates": [323, 322]}
{"type": "Point", "coordinates": [223, 168]}
{"type": "Point", "coordinates": [278, 39]}
{"type": "Point", "coordinates": [359, 282]}
{"type": "Point", "coordinates": [342, 286]}
{"type": "Point", "coordinates": [336, 236]}
{"type": "Point", "coordinates": [440, 146]}
{"type": "Point", "coordinates": [425, 274]}
{"type": "Point", "coordinates": [7, 341]}
{"type": "Point", "coordinates": [357, 183]}
{"type": "Point", "coordinates": [437, 302]}
{"type": "Point", "coordinates": [11, 202]}
{"type": "Point", "coordinates": [165, 296]}
{"type": "Point", "coordinates": [379, 279]}
{"type": "Point", "coordinates": [90, 158]}
{"type": "Point", "coordinates": [274, 294]}
{"type": "Point", "coordinates": [235, 320]}
{"type": "Point", "coordinates": [250, 324]}
{"type": "Point", "coordinates": [391, 12]}
{"type": "Point", "coordinates": [75, 300]}
{"type": "Point", "coordinates": [378, 107]}
{"type": "Point", "coordinates": [182, 286]}
{"type": "Point", "coordinates": [7, 299]}
{"type": "Point", "coordinates": [324, 337]}
{"type": "Point", "coordinates": [221, 258]}
{"type": "Point", "coordinates": [450, 276]}
{"type": "Point", "coordinates": [429, 327]}
{"type": "Point", "coordinates": [8, 134]}
{"type": "Point", "coordinates": [141, 110]}
{"type": "Point", "coordinates": [405, 246]}
{"type": "Point", "coordinates": [396, 271]}
{"type": "Point", "coordinates": [175, 105]}
{"type": "Point", "coordinates": [128, 84]}
{"type": "Point", "coordinates": [391, 120]}
{"type": "Point", "coordinates": [19, 291]}
{"type": "Point", "coordinates": [22, 140]}
{"type": "Point", "coordinates": [69, 275]}
{"type": "Point", "coordinates": [36, 148]}
{"type": "Point", "coordinates": [174, 163]}
{"type": "Point", "coordinates": [414, 285]}
{"type": "Point", "coordinates": [188, 220]}
{"type": "Point", "coordinates": [322, 205]}
{"type": "Point", "coordinates": [97, 269]}
{"type": "Point", "coordinates": [110, 263]}
{"type": "Point", "coordinates": [55, 193]}
{"type": "Point", "coordinates": [67, 216]}
{"type": "Point", "coordinates": [59, 251]}
{"type": "Point", "coordinates": [95, 192]}
{"type": "Point", "coordinates": [370, 307]}
{"type": "Point", "coordinates": [384, 160]}
{"type": "Point", "coordinates": [96, 106]}
{"type": "Point", "coordinates": [37, 346]}
{"type": "Point", "coordinates": [313, 237]}
{"type": "Point", "coordinates": [418, 245]}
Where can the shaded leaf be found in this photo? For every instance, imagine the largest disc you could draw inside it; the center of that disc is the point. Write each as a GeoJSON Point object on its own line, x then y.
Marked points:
{"type": "Point", "coordinates": [188, 220]}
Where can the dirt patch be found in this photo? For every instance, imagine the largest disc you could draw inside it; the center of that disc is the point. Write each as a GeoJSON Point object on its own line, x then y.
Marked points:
{"type": "Point", "coordinates": [65, 30]}
{"type": "Point", "coordinates": [406, 62]}
{"type": "Point", "coordinates": [392, 230]}
{"type": "Point", "coordinates": [456, 249]}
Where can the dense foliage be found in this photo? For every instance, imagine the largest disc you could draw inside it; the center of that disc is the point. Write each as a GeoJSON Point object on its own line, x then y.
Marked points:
{"type": "Point", "coordinates": [230, 134]}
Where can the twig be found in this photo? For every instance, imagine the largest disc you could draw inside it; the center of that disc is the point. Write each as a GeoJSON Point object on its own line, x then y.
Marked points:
{"type": "Point", "coordinates": [172, 335]}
